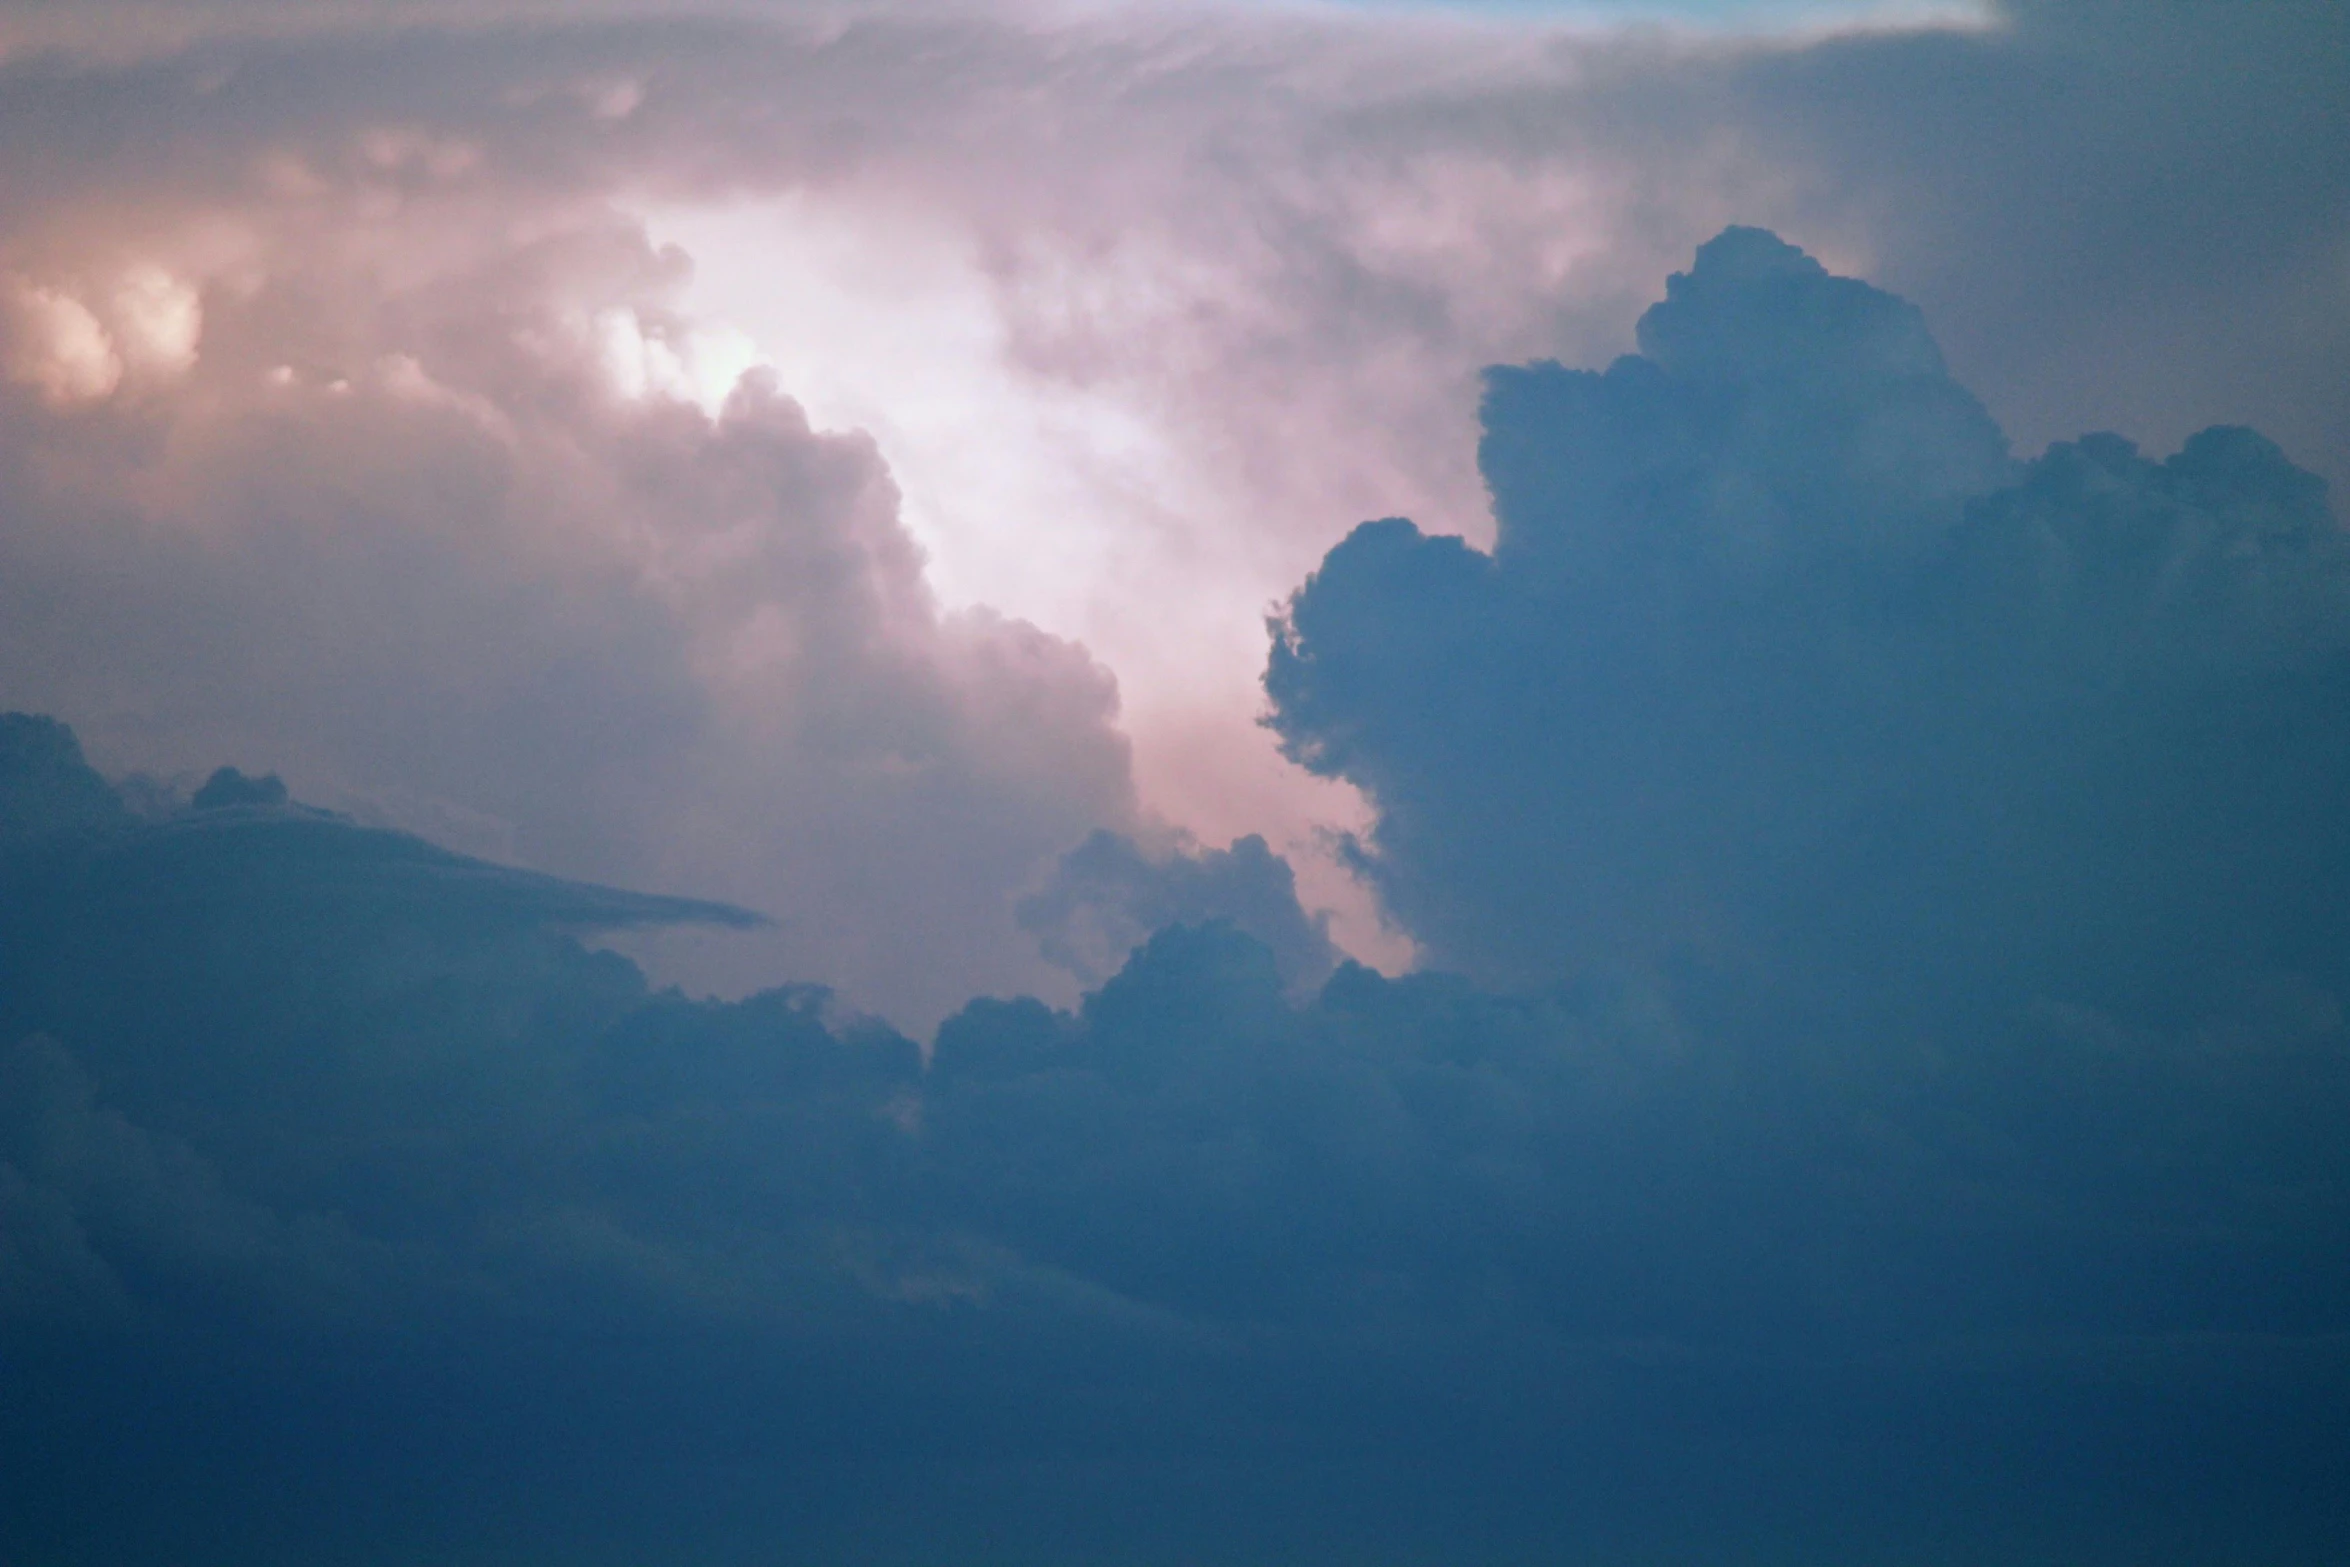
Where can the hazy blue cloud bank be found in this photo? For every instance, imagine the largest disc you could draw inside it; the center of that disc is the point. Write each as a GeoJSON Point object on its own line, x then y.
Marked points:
{"type": "Point", "coordinates": [410, 1231]}
{"type": "Point", "coordinates": [1904, 1124]}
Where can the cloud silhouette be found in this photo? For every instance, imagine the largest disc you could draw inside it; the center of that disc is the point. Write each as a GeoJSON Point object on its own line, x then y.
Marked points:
{"type": "Point", "coordinates": [1780, 666]}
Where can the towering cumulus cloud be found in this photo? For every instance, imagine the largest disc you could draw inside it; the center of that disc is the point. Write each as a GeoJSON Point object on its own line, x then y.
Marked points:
{"type": "Point", "coordinates": [1781, 667]}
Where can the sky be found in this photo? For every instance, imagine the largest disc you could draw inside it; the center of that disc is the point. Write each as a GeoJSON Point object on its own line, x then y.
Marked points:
{"type": "Point", "coordinates": [1117, 781]}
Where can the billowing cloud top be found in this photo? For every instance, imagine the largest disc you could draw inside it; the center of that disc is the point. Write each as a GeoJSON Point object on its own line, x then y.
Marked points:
{"type": "Point", "coordinates": [1779, 661]}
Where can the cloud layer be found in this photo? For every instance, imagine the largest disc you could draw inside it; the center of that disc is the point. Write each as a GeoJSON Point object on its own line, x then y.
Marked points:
{"type": "Point", "coordinates": [397, 1205]}
{"type": "Point", "coordinates": [1899, 1116]}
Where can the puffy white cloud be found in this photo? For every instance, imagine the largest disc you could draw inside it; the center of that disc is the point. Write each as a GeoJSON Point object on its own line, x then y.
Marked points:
{"type": "Point", "coordinates": [159, 321]}
{"type": "Point", "coordinates": [60, 347]}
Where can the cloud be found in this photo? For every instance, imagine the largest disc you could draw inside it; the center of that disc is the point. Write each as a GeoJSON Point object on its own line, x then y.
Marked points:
{"type": "Point", "coordinates": [1117, 296]}
{"type": "Point", "coordinates": [1780, 665]}
{"type": "Point", "coordinates": [422, 550]}
{"type": "Point", "coordinates": [1894, 1107]}
{"type": "Point", "coordinates": [1107, 895]}
{"type": "Point", "coordinates": [392, 1158]}
{"type": "Point", "coordinates": [49, 789]}
{"type": "Point", "coordinates": [392, 965]}
{"type": "Point", "coordinates": [60, 347]}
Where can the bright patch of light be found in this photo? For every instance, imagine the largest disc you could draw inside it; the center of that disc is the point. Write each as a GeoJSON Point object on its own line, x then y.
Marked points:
{"type": "Point", "coordinates": [81, 345]}
{"type": "Point", "coordinates": [1018, 490]}
{"type": "Point", "coordinates": [1060, 502]}
{"type": "Point", "coordinates": [699, 365]}
{"type": "Point", "coordinates": [59, 346]}
{"type": "Point", "coordinates": [158, 321]}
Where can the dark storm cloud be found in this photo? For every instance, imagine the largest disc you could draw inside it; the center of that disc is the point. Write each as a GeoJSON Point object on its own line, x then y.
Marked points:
{"type": "Point", "coordinates": [436, 1086]}
{"type": "Point", "coordinates": [1781, 663]}
{"type": "Point", "coordinates": [242, 958]}
{"type": "Point", "coordinates": [70, 835]}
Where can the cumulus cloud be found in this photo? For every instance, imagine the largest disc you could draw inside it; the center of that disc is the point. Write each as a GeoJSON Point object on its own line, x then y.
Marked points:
{"type": "Point", "coordinates": [59, 347]}
{"type": "Point", "coordinates": [1107, 895]}
{"type": "Point", "coordinates": [1780, 663]}
{"type": "Point", "coordinates": [439, 558]}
